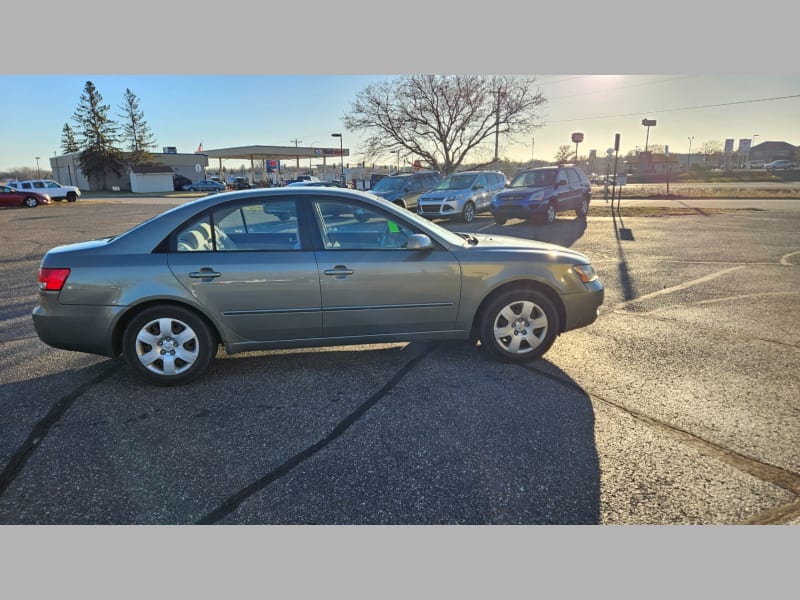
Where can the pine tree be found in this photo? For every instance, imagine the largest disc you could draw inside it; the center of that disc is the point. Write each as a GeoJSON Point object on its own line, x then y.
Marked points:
{"type": "Point", "coordinates": [98, 137]}
{"type": "Point", "coordinates": [138, 137]}
{"type": "Point", "coordinates": [68, 143]}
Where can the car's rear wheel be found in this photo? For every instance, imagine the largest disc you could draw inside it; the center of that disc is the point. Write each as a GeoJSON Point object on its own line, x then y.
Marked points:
{"type": "Point", "coordinates": [168, 345]}
{"type": "Point", "coordinates": [30, 202]}
{"type": "Point", "coordinates": [468, 214]}
{"type": "Point", "coordinates": [71, 196]}
{"type": "Point", "coordinates": [519, 325]}
{"type": "Point", "coordinates": [499, 221]}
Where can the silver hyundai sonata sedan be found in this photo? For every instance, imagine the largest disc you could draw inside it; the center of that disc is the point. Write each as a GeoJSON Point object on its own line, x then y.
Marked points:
{"type": "Point", "coordinates": [303, 267]}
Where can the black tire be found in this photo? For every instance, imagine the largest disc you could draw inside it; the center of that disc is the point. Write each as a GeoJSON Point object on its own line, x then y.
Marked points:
{"type": "Point", "coordinates": [468, 214]}
{"type": "Point", "coordinates": [188, 347]}
{"type": "Point", "coordinates": [549, 216]}
{"type": "Point", "coordinates": [583, 207]}
{"type": "Point", "coordinates": [30, 202]}
{"type": "Point", "coordinates": [71, 196]}
{"type": "Point", "coordinates": [499, 221]}
{"type": "Point", "coordinates": [526, 337]}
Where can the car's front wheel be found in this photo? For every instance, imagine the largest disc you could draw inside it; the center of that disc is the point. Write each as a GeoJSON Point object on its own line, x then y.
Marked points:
{"type": "Point", "coordinates": [519, 325]}
{"type": "Point", "coordinates": [31, 202]}
{"type": "Point", "coordinates": [71, 196]}
{"type": "Point", "coordinates": [468, 214]}
{"type": "Point", "coordinates": [168, 345]}
{"type": "Point", "coordinates": [583, 208]}
{"type": "Point", "coordinates": [550, 214]}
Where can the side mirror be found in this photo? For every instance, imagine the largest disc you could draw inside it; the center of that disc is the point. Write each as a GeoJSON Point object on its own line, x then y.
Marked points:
{"type": "Point", "coordinates": [561, 182]}
{"type": "Point", "coordinates": [477, 186]}
{"type": "Point", "coordinates": [419, 241]}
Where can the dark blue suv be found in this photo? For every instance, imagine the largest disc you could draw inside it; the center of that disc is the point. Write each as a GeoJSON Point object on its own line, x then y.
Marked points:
{"type": "Point", "coordinates": [539, 194]}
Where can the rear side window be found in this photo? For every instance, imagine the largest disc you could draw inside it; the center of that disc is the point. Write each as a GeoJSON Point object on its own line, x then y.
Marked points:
{"type": "Point", "coordinates": [572, 174]}
{"type": "Point", "coordinates": [26, 186]}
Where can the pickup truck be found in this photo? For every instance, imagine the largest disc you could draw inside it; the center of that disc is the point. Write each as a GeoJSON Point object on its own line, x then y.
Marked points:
{"type": "Point", "coordinates": [55, 190]}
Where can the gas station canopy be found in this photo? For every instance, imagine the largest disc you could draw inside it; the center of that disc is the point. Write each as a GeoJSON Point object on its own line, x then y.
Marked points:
{"type": "Point", "coordinates": [274, 152]}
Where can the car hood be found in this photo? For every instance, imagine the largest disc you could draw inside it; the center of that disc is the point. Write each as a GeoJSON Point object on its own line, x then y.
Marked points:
{"type": "Point", "coordinates": [505, 242]}
{"type": "Point", "coordinates": [388, 195]}
{"type": "Point", "coordinates": [440, 194]}
{"type": "Point", "coordinates": [523, 191]}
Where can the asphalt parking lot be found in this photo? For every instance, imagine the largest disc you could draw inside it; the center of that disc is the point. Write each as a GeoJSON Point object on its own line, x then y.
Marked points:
{"type": "Point", "coordinates": [679, 405]}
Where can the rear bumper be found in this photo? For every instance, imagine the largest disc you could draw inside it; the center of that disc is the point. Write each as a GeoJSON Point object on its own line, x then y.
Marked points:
{"type": "Point", "coordinates": [76, 327]}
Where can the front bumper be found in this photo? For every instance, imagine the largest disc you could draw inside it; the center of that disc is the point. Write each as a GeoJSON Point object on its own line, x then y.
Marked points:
{"type": "Point", "coordinates": [523, 210]}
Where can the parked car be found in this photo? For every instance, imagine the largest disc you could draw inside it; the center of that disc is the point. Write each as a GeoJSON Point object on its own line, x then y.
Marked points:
{"type": "Point", "coordinates": [207, 185]}
{"type": "Point", "coordinates": [342, 267]}
{"type": "Point", "coordinates": [10, 196]}
{"type": "Point", "coordinates": [179, 181]}
{"type": "Point", "coordinates": [779, 164]}
{"type": "Point", "coordinates": [541, 193]}
{"type": "Point", "coordinates": [462, 195]}
{"type": "Point", "coordinates": [404, 190]}
{"type": "Point", "coordinates": [55, 190]}
{"type": "Point", "coordinates": [238, 183]}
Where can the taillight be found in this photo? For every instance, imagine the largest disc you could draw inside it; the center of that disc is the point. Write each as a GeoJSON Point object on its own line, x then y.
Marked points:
{"type": "Point", "coordinates": [52, 279]}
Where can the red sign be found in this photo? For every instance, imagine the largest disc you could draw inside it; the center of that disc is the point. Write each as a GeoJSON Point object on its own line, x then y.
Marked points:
{"type": "Point", "coordinates": [577, 137]}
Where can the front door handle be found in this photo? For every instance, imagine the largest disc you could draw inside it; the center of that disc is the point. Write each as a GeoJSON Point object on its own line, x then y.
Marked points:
{"type": "Point", "coordinates": [204, 273]}
{"type": "Point", "coordinates": [339, 271]}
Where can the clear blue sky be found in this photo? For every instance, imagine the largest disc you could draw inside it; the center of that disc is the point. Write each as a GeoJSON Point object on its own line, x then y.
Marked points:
{"type": "Point", "coordinates": [222, 111]}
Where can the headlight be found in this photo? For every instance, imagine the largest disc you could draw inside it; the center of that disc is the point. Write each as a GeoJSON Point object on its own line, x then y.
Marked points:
{"type": "Point", "coordinates": [451, 199]}
{"type": "Point", "coordinates": [537, 197]}
{"type": "Point", "coordinates": [586, 273]}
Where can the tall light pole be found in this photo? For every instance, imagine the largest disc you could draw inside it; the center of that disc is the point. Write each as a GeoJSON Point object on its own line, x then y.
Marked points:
{"type": "Point", "coordinates": [341, 151]}
{"type": "Point", "coordinates": [310, 168]}
{"type": "Point", "coordinates": [689, 159]}
{"type": "Point", "coordinates": [398, 159]}
{"type": "Point", "coordinates": [297, 158]}
{"type": "Point", "coordinates": [38, 172]}
{"type": "Point", "coordinates": [533, 143]}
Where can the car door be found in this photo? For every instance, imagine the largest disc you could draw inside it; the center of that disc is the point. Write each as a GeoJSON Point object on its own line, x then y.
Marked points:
{"type": "Point", "coordinates": [371, 283]}
{"type": "Point", "coordinates": [413, 189]}
{"type": "Point", "coordinates": [480, 194]}
{"type": "Point", "coordinates": [245, 262]}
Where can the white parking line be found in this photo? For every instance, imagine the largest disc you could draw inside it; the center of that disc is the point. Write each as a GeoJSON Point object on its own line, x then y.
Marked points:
{"type": "Point", "coordinates": [679, 287]}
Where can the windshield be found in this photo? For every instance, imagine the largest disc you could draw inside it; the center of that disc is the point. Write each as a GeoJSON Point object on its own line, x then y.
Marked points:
{"type": "Point", "coordinates": [390, 184]}
{"type": "Point", "coordinates": [459, 181]}
{"type": "Point", "coordinates": [538, 178]}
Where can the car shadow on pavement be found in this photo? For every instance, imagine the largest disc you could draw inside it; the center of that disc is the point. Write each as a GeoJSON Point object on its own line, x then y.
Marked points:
{"type": "Point", "coordinates": [410, 434]}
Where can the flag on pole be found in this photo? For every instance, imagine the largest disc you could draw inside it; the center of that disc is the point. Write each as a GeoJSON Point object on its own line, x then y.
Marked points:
{"type": "Point", "coordinates": [199, 148]}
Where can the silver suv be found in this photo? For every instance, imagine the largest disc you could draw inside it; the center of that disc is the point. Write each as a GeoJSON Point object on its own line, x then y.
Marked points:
{"type": "Point", "coordinates": [55, 190]}
{"type": "Point", "coordinates": [462, 195]}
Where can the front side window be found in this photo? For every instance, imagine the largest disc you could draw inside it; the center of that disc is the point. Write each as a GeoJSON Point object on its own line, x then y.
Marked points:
{"type": "Point", "coordinates": [350, 225]}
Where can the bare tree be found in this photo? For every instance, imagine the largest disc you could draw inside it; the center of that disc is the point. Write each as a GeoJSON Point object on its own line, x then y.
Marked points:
{"type": "Point", "coordinates": [443, 118]}
{"type": "Point", "coordinates": [564, 154]}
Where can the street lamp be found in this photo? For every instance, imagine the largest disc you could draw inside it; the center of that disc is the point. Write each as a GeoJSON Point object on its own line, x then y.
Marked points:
{"type": "Point", "coordinates": [38, 172]}
{"type": "Point", "coordinates": [689, 159]}
{"type": "Point", "coordinates": [398, 159]}
{"type": "Point", "coordinates": [341, 151]}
